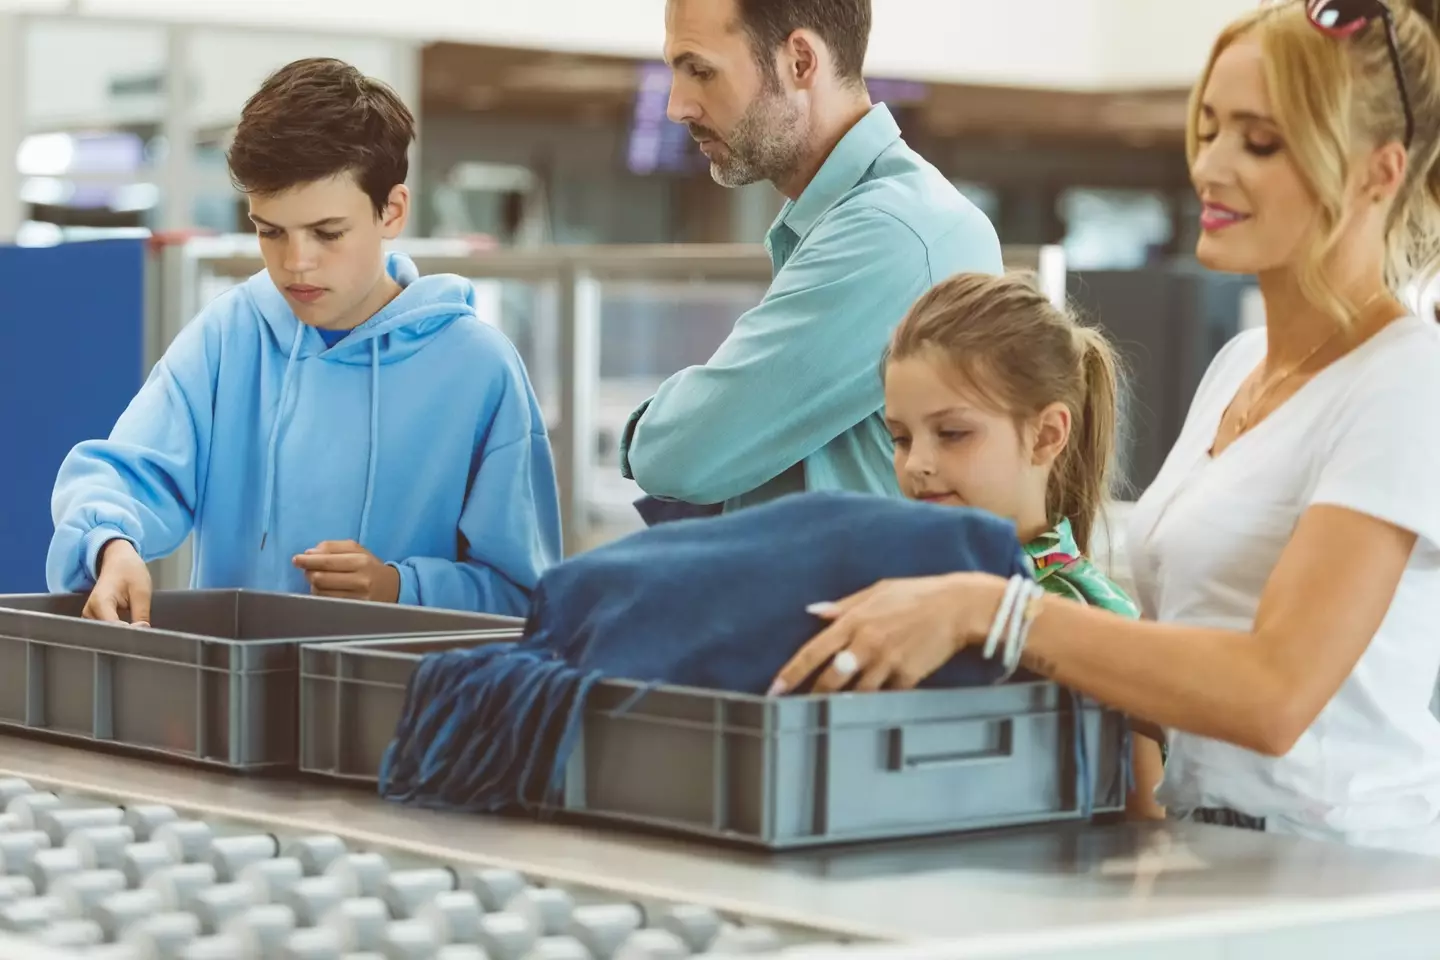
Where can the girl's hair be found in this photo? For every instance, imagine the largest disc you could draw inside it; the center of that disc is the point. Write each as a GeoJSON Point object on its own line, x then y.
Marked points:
{"type": "Point", "coordinates": [1025, 353]}
{"type": "Point", "coordinates": [1331, 95]}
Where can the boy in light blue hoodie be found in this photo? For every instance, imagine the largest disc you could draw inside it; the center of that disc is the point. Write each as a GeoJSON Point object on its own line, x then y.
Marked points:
{"type": "Point", "coordinates": [337, 424]}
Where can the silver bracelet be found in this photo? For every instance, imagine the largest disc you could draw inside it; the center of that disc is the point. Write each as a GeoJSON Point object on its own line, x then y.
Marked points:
{"type": "Point", "coordinates": [1003, 615]}
{"type": "Point", "coordinates": [1017, 620]}
{"type": "Point", "coordinates": [1027, 608]}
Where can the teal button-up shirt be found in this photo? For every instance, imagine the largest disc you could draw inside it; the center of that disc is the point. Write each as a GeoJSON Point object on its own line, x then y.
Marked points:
{"type": "Point", "coordinates": [792, 399]}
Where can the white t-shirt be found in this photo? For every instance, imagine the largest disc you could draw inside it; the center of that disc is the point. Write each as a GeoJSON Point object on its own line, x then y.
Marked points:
{"type": "Point", "coordinates": [1206, 535]}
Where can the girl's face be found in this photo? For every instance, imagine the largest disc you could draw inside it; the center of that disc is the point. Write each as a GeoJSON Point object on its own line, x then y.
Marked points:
{"type": "Point", "coordinates": [953, 446]}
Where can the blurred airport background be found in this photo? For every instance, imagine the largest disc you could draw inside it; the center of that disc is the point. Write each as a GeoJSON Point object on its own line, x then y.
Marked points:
{"type": "Point", "coordinates": [546, 168]}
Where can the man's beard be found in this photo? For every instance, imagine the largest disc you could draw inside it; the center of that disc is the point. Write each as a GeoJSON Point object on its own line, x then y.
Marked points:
{"type": "Point", "coordinates": [767, 143]}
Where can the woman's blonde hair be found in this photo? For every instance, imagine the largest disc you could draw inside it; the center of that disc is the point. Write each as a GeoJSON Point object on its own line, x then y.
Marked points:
{"type": "Point", "coordinates": [1331, 95]}
{"type": "Point", "coordinates": [1025, 353]}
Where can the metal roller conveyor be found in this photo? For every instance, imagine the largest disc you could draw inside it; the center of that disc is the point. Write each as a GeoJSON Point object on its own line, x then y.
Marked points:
{"type": "Point", "coordinates": [278, 861]}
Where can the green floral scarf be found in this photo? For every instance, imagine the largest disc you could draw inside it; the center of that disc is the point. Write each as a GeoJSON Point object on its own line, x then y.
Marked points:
{"type": "Point", "coordinates": [1062, 570]}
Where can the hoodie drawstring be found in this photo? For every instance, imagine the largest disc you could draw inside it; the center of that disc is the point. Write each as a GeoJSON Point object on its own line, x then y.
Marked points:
{"type": "Point", "coordinates": [268, 505]}
{"type": "Point", "coordinates": [271, 466]}
{"type": "Point", "coordinates": [374, 438]}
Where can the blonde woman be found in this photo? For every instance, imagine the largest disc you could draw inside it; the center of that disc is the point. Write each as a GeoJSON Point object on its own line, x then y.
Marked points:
{"type": "Point", "coordinates": [1288, 554]}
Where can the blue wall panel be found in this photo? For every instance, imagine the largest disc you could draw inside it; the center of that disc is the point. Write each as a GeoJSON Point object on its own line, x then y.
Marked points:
{"type": "Point", "coordinates": [72, 340]}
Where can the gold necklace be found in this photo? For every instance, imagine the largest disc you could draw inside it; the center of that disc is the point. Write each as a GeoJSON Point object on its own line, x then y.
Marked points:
{"type": "Point", "coordinates": [1243, 420]}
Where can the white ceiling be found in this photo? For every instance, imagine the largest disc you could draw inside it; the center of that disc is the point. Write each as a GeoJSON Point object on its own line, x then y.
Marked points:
{"type": "Point", "coordinates": [1066, 44]}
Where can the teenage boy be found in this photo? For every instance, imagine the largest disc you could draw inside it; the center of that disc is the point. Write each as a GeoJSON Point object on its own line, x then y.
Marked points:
{"type": "Point", "coordinates": [337, 423]}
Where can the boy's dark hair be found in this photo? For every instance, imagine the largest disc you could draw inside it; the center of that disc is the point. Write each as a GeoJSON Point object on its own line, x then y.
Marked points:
{"type": "Point", "coordinates": [844, 25]}
{"type": "Point", "coordinates": [317, 118]}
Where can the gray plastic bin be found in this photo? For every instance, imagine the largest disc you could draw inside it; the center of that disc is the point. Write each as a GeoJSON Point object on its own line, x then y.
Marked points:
{"type": "Point", "coordinates": [772, 772]}
{"type": "Point", "coordinates": [213, 680]}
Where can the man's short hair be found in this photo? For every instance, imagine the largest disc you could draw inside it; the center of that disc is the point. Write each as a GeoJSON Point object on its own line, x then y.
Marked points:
{"type": "Point", "coordinates": [315, 119]}
{"type": "Point", "coordinates": [844, 25]}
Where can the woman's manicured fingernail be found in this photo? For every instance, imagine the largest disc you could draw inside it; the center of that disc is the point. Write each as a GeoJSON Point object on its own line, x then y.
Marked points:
{"type": "Point", "coordinates": [823, 609]}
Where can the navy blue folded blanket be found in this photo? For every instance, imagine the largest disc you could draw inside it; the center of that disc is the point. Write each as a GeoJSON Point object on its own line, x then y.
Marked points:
{"type": "Point", "coordinates": [717, 603]}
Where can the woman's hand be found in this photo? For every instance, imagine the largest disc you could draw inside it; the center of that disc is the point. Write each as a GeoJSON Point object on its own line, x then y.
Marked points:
{"type": "Point", "coordinates": [898, 631]}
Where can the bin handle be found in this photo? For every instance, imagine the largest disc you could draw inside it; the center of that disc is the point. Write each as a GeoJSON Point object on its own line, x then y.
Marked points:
{"type": "Point", "coordinates": [951, 745]}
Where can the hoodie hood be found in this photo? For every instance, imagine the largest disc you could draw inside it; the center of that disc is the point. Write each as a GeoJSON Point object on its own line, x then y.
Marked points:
{"type": "Point", "coordinates": [425, 307]}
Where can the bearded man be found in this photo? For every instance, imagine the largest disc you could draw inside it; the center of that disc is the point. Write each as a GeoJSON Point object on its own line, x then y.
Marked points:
{"type": "Point", "coordinates": [773, 90]}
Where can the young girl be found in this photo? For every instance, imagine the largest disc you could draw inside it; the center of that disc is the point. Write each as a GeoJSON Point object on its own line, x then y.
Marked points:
{"type": "Point", "coordinates": [999, 400]}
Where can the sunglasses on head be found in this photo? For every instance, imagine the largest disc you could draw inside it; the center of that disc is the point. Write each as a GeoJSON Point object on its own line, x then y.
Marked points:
{"type": "Point", "coordinates": [1345, 18]}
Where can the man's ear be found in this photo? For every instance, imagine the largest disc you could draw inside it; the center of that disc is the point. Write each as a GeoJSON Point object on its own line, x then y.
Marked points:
{"type": "Point", "coordinates": [804, 58]}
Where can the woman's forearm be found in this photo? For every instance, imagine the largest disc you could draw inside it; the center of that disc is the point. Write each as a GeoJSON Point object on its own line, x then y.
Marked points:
{"type": "Point", "coordinates": [1259, 689]}
{"type": "Point", "coordinates": [1215, 683]}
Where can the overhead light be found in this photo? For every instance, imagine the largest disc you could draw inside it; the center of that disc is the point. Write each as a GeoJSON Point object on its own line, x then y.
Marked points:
{"type": "Point", "coordinates": [46, 191]}
{"type": "Point", "coordinates": [46, 155]}
{"type": "Point", "coordinates": [58, 154]}
{"type": "Point", "coordinates": [35, 234]}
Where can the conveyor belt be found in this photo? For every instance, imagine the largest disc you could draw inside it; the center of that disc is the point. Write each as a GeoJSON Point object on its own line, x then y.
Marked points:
{"type": "Point", "coordinates": [150, 882]}
{"type": "Point", "coordinates": [1077, 887]}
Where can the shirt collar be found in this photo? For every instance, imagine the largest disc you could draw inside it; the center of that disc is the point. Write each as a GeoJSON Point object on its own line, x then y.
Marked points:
{"type": "Point", "coordinates": [856, 152]}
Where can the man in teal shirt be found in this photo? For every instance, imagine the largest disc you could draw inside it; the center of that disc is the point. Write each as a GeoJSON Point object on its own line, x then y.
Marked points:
{"type": "Point", "coordinates": [773, 90]}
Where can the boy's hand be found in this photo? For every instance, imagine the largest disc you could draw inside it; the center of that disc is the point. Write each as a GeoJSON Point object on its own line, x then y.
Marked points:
{"type": "Point", "coordinates": [344, 569]}
{"type": "Point", "coordinates": [123, 585]}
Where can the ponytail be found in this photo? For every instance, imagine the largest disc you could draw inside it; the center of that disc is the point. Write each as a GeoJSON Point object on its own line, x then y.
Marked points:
{"type": "Point", "coordinates": [1080, 481]}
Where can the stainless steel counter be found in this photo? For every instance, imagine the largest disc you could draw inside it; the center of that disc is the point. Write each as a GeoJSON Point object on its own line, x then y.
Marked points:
{"type": "Point", "coordinates": [1074, 882]}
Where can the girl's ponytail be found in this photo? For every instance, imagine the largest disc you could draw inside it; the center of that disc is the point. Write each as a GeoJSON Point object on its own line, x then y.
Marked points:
{"type": "Point", "coordinates": [1080, 483]}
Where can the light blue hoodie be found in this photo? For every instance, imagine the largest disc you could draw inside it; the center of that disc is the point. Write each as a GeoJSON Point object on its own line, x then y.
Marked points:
{"type": "Point", "coordinates": [418, 435]}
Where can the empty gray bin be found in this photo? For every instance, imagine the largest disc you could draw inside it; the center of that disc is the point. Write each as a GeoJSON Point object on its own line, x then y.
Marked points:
{"type": "Point", "coordinates": [213, 680]}
{"type": "Point", "coordinates": [772, 772]}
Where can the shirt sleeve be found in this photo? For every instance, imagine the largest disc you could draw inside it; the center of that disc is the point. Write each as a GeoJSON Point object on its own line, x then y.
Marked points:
{"type": "Point", "coordinates": [797, 371]}
{"type": "Point", "coordinates": [1384, 455]}
{"type": "Point", "coordinates": [142, 483]}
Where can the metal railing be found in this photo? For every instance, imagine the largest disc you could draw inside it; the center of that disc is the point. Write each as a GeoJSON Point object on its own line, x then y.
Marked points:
{"type": "Point", "coordinates": [564, 336]}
